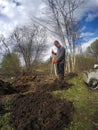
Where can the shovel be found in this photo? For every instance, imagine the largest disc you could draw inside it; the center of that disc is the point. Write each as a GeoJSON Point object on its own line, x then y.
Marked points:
{"type": "Point", "coordinates": [53, 68]}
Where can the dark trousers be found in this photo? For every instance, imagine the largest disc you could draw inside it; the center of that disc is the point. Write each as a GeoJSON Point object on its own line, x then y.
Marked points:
{"type": "Point", "coordinates": [60, 70]}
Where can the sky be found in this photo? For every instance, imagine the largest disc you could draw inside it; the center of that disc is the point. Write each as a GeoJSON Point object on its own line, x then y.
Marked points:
{"type": "Point", "coordinates": [18, 12]}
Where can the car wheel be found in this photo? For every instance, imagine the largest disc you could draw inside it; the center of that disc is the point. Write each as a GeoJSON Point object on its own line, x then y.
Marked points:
{"type": "Point", "coordinates": [93, 83]}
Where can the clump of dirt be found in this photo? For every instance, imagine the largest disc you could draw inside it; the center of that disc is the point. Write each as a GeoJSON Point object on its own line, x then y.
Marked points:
{"type": "Point", "coordinates": [23, 80]}
{"type": "Point", "coordinates": [24, 83]}
{"type": "Point", "coordinates": [24, 87]}
{"type": "Point", "coordinates": [40, 111]}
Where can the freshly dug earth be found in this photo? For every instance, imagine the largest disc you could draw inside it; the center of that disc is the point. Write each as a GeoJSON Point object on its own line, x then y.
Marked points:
{"type": "Point", "coordinates": [37, 109]}
{"type": "Point", "coordinates": [36, 83]}
{"type": "Point", "coordinates": [7, 88]}
{"type": "Point", "coordinates": [24, 83]}
{"type": "Point", "coordinates": [23, 79]}
{"type": "Point", "coordinates": [41, 110]}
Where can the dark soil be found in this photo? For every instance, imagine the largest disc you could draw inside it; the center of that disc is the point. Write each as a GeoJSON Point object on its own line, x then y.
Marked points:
{"type": "Point", "coordinates": [41, 111]}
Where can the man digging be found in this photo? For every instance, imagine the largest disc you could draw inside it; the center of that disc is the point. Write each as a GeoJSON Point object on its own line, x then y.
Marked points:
{"type": "Point", "coordinates": [60, 60]}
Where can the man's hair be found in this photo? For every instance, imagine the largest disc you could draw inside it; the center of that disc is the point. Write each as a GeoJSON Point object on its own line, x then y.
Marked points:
{"type": "Point", "coordinates": [56, 42]}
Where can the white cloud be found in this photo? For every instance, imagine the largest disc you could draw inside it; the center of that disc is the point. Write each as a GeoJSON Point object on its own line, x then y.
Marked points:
{"type": "Point", "coordinates": [12, 14]}
{"type": "Point", "coordinates": [86, 34]}
{"type": "Point", "coordinates": [91, 16]}
{"type": "Point", "coordinates": [87, 44]}
{"type": "Point", "coordinates": [86, 7]}
{"type": "Point", "coordinates": [83, 28]}
{"type": "Point", "coordinates": [82, 47]}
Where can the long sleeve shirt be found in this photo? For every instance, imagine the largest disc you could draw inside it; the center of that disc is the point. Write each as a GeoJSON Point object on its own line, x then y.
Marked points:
{"type": "Point", "coordinates": [60, 56]}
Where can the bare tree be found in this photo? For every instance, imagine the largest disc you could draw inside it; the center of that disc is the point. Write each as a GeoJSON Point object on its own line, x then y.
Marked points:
{"type": "Point", "coordinates": [61, 18]}
{"type": "Point", "coordinates": [4, 47]}
{"type": "Point", "coordinates": [30, 43]}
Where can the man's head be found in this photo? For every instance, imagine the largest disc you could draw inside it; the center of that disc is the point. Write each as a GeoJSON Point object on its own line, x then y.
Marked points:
{"type": "Point", "coordinates": [57, 44]}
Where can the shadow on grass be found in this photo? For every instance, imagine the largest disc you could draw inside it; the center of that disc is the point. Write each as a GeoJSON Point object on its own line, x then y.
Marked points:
{"type": "Point", "coordinates": [70, 76]}
{"type": "Point", "coordinates": [56, 85]}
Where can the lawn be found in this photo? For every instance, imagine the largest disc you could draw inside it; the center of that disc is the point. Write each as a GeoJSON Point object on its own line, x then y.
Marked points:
{"type": "Point", "coordinates": [85, 102]}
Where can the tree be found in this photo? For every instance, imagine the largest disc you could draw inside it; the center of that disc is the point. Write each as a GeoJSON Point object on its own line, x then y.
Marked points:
{"type": "Point", "coordinates": [4, 47]}
{"type": "Point", "coordinates": [93, 49]}
{"type": "Point", "coordinates": [30, 43]}
{"type": "Point", "coordinates": [62, 20]}
{"type": "Point", "coordinates": [10, 65]}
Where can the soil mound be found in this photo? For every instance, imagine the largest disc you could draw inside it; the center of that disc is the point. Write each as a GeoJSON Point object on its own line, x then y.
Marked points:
{"type": "Point", "coordinates": [40, 111]}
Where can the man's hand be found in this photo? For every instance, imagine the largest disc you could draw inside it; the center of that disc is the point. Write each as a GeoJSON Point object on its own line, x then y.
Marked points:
{"type": "Point", "coordinates": [53, 52]}
{"type": "Point", "coordinates": [54, 61]}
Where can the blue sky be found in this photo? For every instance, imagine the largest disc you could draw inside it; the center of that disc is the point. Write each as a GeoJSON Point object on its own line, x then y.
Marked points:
{"type": "Point", "coordinates": [90, 26]}
{"type": "Point", "coordinates": [89, 32]}
{"type": "Point", "coordinates": [17, 12]}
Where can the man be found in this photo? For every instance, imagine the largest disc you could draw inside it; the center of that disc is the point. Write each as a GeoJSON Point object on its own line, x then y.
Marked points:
{"type": "Point", "coordinates": [60, 59]}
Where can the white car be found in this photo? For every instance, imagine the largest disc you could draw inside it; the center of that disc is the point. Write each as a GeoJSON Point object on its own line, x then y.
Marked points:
{"type": "Point", "coordinates": [91, 78]}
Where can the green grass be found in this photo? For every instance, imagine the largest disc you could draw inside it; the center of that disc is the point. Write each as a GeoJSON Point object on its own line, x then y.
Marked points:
{"type": "Point", "coordinates": [85, 102]}
{"type": "Point", "coordinates": [5, 119]}
{"type": "Point", "coordinates": [5, 122]}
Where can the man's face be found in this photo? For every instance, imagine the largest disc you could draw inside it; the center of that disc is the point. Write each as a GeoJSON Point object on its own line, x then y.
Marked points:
{"type": "Point", "coordinates": [57, 44]}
